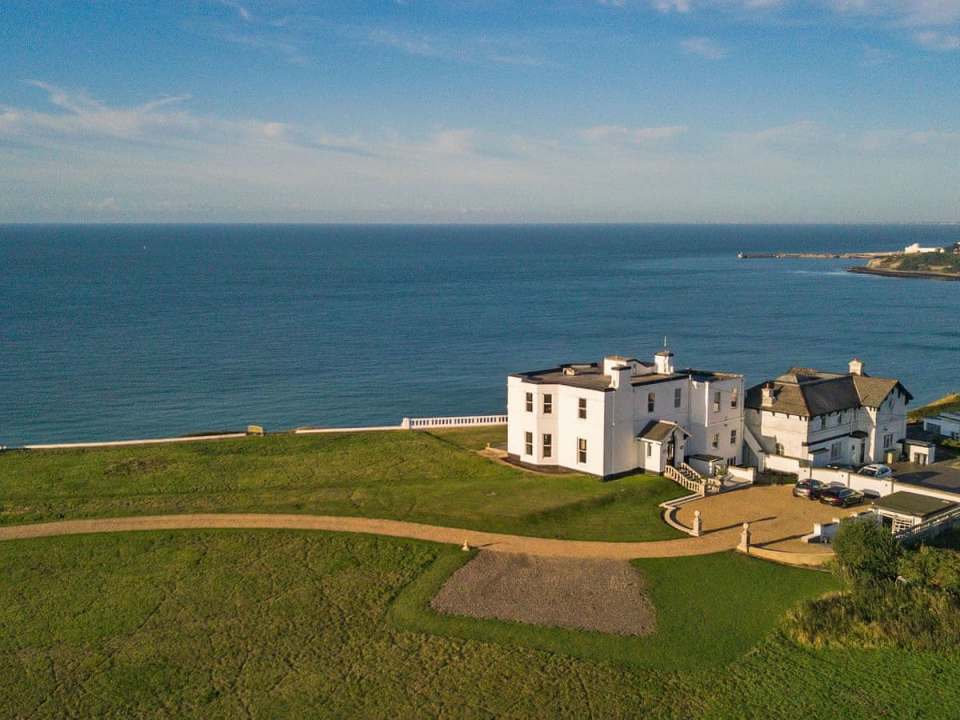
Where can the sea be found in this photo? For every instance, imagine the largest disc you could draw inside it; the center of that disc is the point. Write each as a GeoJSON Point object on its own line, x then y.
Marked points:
{"type": "Point", "coordinates": [132, 331]}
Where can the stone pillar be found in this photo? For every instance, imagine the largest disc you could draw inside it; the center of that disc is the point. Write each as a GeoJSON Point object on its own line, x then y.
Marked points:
{"type": "Point", "coordinates": [465, 547]}
{"type": "Point", "coordinates": [697, 524]}
{"type": "Point", "coordinates": [745, 538]}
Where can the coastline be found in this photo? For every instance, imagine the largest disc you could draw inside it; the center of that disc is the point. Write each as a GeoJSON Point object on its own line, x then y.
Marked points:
{"type": "Point", "coordinates": [914, 274]}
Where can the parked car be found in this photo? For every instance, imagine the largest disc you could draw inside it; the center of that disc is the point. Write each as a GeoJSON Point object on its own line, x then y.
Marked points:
{"type": "Point", "coordinates": [809, 489]}
{"type": "Point", "coordinates": [876, 470]}
{"type": "Point", "coordinates": [840, 497]}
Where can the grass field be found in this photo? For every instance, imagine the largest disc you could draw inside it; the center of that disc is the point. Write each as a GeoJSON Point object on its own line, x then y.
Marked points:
{"type": "Point", "coordinates": [433, 478]}
{"type": "Point", "coordinates": [948, 403]}
{"type": "Point", "coordinates": [280, 624]}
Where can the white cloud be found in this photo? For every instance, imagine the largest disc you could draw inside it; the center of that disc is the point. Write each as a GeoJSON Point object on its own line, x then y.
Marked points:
{"type": "Point", "coordinates": [875, 57]}
{"type": "Point", "coordinates": [665, 6]}
{"type": "Point", "coordinates": [163, 162]}
{"type": "Point", "coordinates": [412, 45]}
{"type": "Point", "coordinates": [703, 47]}
{"type": "Point", "coordinates": [241, 11]}
{"type": "Point", "coordinates": [618, 134]}
{"type": "Point", "coordinates": [907, 12]}
{"type": "Point", "coordinates": [939, 41]}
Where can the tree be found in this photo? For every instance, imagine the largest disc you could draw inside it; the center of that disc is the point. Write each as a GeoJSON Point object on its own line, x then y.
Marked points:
{"type": "Point", "coordinates": [867, 552]}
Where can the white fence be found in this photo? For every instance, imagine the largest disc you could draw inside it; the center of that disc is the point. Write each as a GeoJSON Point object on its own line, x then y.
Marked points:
{"type": "Point", "coordinates": [931, 527]}
{"type": "Point", "coordinates": [454, 421]}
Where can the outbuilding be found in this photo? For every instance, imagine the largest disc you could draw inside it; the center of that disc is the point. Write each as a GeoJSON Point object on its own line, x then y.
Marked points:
{"type": "Point", "coordinates": [903, 510]}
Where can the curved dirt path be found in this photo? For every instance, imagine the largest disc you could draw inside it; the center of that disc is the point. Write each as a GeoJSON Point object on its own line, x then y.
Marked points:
{"type": "Point", "coordinates": [548, 547]}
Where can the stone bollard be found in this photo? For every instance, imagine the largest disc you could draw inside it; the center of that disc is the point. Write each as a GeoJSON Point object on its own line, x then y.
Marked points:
{"type": "Point", "coordinates": [745, 538]}
{"type": "Point", "coordinates": [697, 524]}
{"type": "Point", "coordinates": [465, 547]}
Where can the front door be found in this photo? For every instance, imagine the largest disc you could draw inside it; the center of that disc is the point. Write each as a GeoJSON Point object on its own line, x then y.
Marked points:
{"type": "Point", "coordinates": [671, 451]}
{"type": "Point", "coordinates": [862, 449]}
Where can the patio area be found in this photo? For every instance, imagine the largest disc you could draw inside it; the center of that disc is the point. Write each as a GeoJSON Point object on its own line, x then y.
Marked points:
{"type": "Point", "coordinates": [777, 519]}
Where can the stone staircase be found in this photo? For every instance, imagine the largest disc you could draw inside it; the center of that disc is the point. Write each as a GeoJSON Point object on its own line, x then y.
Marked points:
{"type": "Point", "coordinates": [687, 478]}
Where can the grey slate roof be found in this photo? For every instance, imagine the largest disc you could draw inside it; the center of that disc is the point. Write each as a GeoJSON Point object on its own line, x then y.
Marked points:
{"type": "Point", "coordinates": [659, 430]}
{"type": "Point", "coordinates": [808, 393]}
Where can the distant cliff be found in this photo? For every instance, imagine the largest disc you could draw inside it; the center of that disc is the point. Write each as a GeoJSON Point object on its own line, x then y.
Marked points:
{"type": "Point", "coordinates": [938, 266]}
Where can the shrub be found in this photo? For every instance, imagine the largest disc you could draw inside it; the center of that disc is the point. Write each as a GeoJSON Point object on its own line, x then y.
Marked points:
{"type": "Point", "coordinates": [866, 553]}
{"type": "Point", "coordinates": [932, 568]}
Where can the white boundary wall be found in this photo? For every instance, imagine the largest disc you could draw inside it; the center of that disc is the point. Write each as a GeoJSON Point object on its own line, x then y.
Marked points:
{"type": "Point", "coordinates": [407, 424]}
{"type": "Point", "coordinates": [453, 421]}
{"type": "Point", "coordinates": [122, 443]}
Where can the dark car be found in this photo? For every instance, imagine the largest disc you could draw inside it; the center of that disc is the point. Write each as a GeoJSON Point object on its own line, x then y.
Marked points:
{"type": "Point", "coordinates": [840, 497]}
{"type": "Point", "coordinates": [810, 489]}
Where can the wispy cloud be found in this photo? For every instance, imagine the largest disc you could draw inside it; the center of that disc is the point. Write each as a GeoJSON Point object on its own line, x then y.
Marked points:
{"type": "Point", "coordinates": [871, 56]}
{"type": "Point", "coordinates": [703, 47]}
{"type": "Point", "coordinates": [241, 11]}
{"type": "Point", "coordinates": [619, 134]}
{"type": "Point", "coordinates": [160, 160]}
{"type": "Point", "coordinates": [421, 46]}
{"type": "Point", "coordinates": [938, 41]}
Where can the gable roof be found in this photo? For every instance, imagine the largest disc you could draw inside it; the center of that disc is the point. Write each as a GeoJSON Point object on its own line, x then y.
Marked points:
{"type": "Point", "coordinates": [659, 430]}
{"type": "Point", "coordinates": [808, 393]}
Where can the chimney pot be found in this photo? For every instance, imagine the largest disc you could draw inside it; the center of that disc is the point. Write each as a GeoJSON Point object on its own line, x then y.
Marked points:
{"type": "Point", "coordinates": [856, 367]}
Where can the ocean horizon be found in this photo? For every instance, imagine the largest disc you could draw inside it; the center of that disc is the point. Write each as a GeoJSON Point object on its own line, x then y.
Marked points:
{"type": "Point", "coordinates": [115, 331]}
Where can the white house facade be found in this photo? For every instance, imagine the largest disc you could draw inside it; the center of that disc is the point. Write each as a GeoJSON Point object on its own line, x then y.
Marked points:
{"type": "Point", "coordinates": [822, 418]}
{"type": "Point", "coordinates": [623, 415]}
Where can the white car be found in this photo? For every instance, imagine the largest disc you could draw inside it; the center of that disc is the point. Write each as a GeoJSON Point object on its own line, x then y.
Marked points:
{"type": "Point", "coordinates": [876, 470]}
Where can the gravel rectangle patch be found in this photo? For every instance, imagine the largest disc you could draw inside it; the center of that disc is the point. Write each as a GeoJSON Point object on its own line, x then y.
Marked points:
{"type": "Point", "coordinates": [582, 594]}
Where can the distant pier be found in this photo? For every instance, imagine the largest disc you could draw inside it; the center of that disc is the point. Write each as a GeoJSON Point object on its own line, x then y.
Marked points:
{"type": "Point", "coordinates": [813, 255]}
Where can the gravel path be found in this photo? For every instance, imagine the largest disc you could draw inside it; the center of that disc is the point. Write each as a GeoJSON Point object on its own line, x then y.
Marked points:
{"type": "Point", "coordinates": [544, 547]}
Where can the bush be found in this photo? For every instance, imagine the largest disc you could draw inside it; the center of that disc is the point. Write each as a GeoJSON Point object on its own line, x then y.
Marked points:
{"type": "Point", "coordinates": [932, 568]}
{"type": "Point", "coordinates": [866, 553]}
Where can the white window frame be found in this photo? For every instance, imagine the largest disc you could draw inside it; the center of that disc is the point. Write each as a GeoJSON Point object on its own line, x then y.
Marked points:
{"type": "Point", "coordinates": [528, 402]}
{"type": "Point", "coordinates": [677, 397]}
{"type": "Point", "coordinates": [528, 443]}
{"type": "Point", "coordinates": [548, 403]}
{"type": "Point", "coordinates": [582, 451]}
{"type": "Point", "coordinates": [547, 445]}
{"type": "Point", "coordinates": [582, 408]}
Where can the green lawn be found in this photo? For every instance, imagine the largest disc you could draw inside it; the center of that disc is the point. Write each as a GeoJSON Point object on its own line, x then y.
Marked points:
{"type": "Point", "coordinates": [425, 477]}
{"type": "Point", "coordinates": [281, 624]}
{"type": "Point", "coordinates": [705, 620]}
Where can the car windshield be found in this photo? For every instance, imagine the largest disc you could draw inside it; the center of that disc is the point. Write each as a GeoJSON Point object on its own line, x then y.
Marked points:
{"type": "Point", "coordinates": [868, 471]}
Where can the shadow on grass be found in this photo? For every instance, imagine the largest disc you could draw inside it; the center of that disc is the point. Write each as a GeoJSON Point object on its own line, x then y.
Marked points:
{"type": "Point", "coordinates": [711, 610]}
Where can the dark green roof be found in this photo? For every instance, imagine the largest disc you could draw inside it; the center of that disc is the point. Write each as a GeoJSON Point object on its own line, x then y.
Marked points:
{"type": "Point", "coordinates": [908, 503]}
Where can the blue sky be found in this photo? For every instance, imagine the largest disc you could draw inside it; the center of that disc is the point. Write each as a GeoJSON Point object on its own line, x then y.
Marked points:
{"type": "Point", "coordinates": [480, 111]}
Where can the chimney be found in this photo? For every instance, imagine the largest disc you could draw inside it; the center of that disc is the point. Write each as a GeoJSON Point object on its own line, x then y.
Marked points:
{"type": "Point", "coordinates": [664, 362]}
{"type": "Point", "coordinates": [767, 395]}
{"type": "Point", "coordinates": [856, 367]}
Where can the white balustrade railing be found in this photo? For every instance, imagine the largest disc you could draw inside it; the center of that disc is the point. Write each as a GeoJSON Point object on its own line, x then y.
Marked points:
{"type": "Point", "coordinates": [931, 527]}
{"type": "Point", "coordinates": [453, 421]}
{"type": "Point", "coordinates": [682, 479]}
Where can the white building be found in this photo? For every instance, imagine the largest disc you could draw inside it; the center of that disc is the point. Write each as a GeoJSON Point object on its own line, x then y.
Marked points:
{"type": "Point", "coordinates": [623, 415]}
{"type": "Point", "coordinates": [824, 418]}
{"type": "Point", "coordinates": [946, 424]}
{"type": "Point", "coordinates": [916, 249]}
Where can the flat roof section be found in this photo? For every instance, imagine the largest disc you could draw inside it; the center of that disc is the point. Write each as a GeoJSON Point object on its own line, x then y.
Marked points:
{"type": "Point", "coordinates": [908, 503]}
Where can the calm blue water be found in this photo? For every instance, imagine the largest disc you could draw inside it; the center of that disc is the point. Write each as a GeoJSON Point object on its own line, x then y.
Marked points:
{"type": "Point", "coordinates": [132, 331]}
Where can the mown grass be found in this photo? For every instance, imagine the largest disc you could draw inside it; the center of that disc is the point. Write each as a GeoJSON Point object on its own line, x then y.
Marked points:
{"type": "Point", "coordinates": [704, 619]}
{"type": "Point", "coordinates": [282, 624]}
{"type": "Point", "coordinates": [434, 478]}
